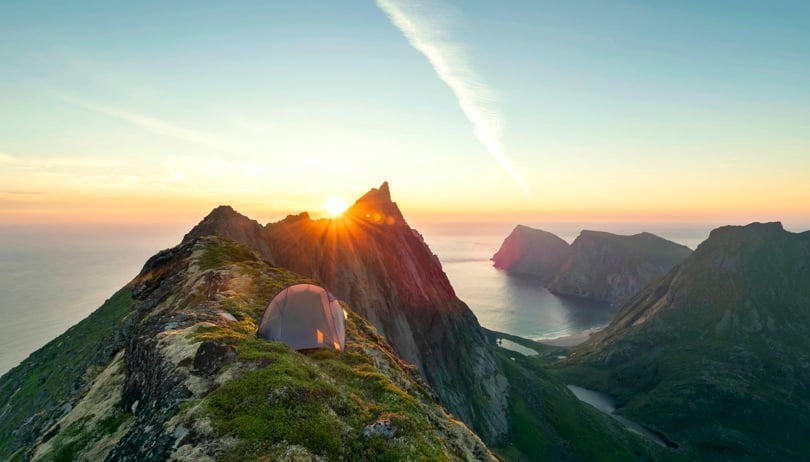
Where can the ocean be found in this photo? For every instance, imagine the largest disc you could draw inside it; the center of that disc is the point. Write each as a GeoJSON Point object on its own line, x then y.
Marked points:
{"type": "Point", "coordinates": [519, 305]}
{"type": "Point", "coordinates": [53, 277]}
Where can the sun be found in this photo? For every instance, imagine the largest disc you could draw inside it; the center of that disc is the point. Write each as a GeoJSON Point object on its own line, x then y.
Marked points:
{"type": "Point", "coordinates": [335, 206]}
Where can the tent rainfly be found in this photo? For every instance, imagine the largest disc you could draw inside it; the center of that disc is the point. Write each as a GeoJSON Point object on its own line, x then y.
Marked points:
{"type": "Point", "coordinates": [304, 316]}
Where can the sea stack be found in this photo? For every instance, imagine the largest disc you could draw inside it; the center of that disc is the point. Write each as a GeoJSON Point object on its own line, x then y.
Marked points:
{"type": "Point", "coordinates": [531, 251]}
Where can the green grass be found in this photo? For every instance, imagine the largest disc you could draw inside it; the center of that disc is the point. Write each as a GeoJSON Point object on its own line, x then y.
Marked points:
{"type": "Point", "coordinates": [319, 399]}
{"type": "Point", "coordinates": [224, 252]}
{"type": "Point", "coordinates": [52, 374]}
{"type": "Point", "coordinates": [71, 441]}
{"type": "Point", "coordinates": [549, 423]}
{"type": "Point", "coordinates": [82, 434]}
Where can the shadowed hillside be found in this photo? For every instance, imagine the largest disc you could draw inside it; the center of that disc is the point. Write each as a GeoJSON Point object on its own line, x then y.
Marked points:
{"type": "Point", "coordinates": [715, 355]}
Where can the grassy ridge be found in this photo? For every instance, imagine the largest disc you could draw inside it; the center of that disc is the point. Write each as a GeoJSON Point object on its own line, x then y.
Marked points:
{"type": "Point", "coordinates": [54, 373]}
{"type": "Point", "coordinates": [318, 400]}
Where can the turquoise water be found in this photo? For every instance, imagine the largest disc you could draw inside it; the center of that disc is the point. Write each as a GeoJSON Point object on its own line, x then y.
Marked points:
{"type": "Point", "coordinates": [51, 278]}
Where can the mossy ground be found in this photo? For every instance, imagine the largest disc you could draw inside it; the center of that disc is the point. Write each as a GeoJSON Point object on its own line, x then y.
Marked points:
{"type": "Point", "coordinates": [71, 441]}
{"type": "Point", "coordinates": [319, 400]}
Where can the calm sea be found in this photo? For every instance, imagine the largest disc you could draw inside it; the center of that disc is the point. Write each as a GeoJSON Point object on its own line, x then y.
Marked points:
{"type": "Point", "coordinates": [51, 278]}
{"type": "Point", "coordinates": [519, 305]}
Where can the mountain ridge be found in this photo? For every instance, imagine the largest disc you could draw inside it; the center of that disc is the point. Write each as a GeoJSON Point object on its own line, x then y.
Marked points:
{"type": "Point", "coordinates": [182, 384]}
{"type": "Point", "coordinates": [715, 353]}
{"type": "Point", "coordinates": [374, 260]}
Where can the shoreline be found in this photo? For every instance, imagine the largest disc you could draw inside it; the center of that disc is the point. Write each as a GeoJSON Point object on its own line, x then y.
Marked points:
{"type": "Point", "coordinates": [570, 340]}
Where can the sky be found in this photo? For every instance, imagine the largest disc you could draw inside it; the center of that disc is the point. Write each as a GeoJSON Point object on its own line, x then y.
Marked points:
{"type": "Point", "coordinates": [153, 112]}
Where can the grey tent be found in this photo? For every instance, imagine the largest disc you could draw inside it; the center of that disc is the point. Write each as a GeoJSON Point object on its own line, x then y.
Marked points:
{"type": "Point", "coordinates": [304, 316]}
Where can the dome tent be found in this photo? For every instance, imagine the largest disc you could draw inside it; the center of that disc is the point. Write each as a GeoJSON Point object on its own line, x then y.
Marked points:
{"type": "Point", "coordinates": [304, 316]}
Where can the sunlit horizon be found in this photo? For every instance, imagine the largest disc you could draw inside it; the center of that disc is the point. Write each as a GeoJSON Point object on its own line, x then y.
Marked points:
{"type": "Point", "coordinates": [472, 112]}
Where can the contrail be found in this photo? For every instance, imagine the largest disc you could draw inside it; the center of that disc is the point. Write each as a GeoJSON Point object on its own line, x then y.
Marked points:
{"type": "Point", "coordinates": [450, 63]}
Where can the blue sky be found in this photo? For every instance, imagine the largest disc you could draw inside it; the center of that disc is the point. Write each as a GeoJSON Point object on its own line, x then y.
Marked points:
{"type": "Point", "coordinates": [676, 110]}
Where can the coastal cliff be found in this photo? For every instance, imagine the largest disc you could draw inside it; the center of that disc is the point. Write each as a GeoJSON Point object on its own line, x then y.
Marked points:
{"type": "Point", "coordinates": [531, 251]}
{"type": "Point", "coordinates": [611, 267]}
{"type": "Point", "coordinates": [597, 265]}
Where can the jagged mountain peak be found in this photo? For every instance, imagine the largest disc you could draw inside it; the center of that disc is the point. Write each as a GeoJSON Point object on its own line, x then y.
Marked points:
{"type": "Point", "coordinates": [376, 207]}
{"type": "Point", "coordinates": [224, 221]}
{"type": "Point", "coordinates": [223, 213]}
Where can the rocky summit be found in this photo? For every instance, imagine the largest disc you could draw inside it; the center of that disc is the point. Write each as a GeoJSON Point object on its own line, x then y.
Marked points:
{"type": "Point", "coordinates": [716, 354]}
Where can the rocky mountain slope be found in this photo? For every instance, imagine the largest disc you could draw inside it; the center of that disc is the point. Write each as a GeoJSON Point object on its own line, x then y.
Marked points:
{"type": "Point", "coordinates": [610, 267]}
{"type": "Point", "coordinates": [162, 371]}
{"type": "Point", "coordinates": [531, 251]}
{"type": "Point", "coordinates": [716, 355]}
{"type": "Point", "coordinates": [382, 267]}
{"type": "Point", "coordinates": [597, 265]}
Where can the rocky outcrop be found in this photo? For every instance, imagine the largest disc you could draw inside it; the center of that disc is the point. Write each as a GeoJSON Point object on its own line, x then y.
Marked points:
{"type": "Point", "coordinates": [598, 265]}
{"type": "Point", "coordinates": [226, 222]}
{"type": "Point", "coordinates": [190, 384]}
{"type": "Point", "coordinates": [715, 354]}
{"type": "Point", "coordinates": [531, 251]}
{"type": "Point", "coordinates": [610, 267]}
{"type": "Point", "coordinates": [371, 258]}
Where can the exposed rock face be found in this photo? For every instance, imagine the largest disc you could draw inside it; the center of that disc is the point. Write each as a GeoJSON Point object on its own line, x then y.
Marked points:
{"type": "Point", "coordinates": [610, 267]}
{"type": "Point", "coordinates": [531, 251]}
{"type": "Point", "coordinates": [598, 265]}
{"type": "Point", "coordinates": [181, 349]}
{"type": "Point", "coordinates": [226, 222]}
{"type": "Point", "coordinates": [716, 355]}
{"type": "Point", "coordinates": [371, 258]}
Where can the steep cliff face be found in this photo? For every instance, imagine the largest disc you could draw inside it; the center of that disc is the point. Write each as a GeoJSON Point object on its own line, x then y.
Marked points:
{"type": "Point", "coordinates": [715, 355]}
{"type": "Point", "coordinates": [187, 382]}
{"type": "Point", "coordinates": [610, 267]}
{"type": "Point", "coordinates": [371, 258]}
{"type": "Point", "coordinates": [531, 251]}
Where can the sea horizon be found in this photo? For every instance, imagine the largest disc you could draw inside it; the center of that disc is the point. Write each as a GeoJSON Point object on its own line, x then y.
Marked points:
{"type": "Point", "coordinates": [56, 275]}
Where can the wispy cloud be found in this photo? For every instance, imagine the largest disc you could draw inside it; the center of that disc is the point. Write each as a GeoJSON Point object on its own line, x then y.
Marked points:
{"type": "Point", "coordinates": [429, 36]}
{"type": "Point", "coordinates": [158, 126]}
{"type": "Point", "coordinates": [55, 163]}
